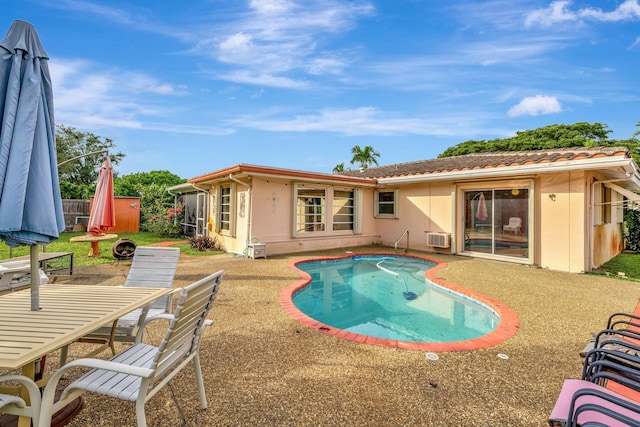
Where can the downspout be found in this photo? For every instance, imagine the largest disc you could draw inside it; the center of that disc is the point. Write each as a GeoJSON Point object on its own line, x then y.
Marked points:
{"type": "Point", "coordinates": [593, 217]}
{"type": "Point", "coordinates": [249, 217]}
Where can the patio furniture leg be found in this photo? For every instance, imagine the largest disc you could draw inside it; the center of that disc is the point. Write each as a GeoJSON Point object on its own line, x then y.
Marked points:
{"type": "Point", "coordinates": [200, 381]}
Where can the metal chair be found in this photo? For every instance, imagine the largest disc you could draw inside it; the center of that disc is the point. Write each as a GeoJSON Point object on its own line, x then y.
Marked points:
{"type": "Point", "coordinates": [151, 266]}
{"type": "Point", "coordinates": [15, 405]}
{"type": "Point", "coordinates": [140, 371]}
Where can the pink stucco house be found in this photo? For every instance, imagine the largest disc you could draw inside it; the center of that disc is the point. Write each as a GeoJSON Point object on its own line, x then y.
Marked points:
{"type": "Point", "coordinates": [560, 209]}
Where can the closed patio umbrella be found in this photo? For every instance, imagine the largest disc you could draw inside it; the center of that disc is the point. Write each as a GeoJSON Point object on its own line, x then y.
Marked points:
{"type": "Point", "coordinates": [103, 216]}
{"type": "Point", "coordinates": [481, 213]}
{"type": "Point", "coordinates": [30, 202]}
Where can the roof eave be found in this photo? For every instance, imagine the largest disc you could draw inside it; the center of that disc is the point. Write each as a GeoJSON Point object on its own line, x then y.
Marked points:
{"type": "Point", "coordinates": [507, 171]}
{"type": "Point", "coordinates": [269, 172]}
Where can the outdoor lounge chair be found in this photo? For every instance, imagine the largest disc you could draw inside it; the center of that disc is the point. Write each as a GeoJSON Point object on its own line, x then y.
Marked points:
{"type": "Point", "coordinates": [582, 403]}
{"type": "Point", "coordinates": [151, 266]}
{"type": "Point", "coordinates": [11, 271]}
{"type": "Point", "coordinates": [15, 405]}
{"type": "Point", "coordinates": [139, 372]}
{"type": "Point", "coordinates": [621, 327]}
{"type": "Point", "coordinates": [606, 395]}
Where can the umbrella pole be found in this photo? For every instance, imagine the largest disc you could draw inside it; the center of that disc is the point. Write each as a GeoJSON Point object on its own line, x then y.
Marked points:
{"type": "Point", "coordinates": [35, 278]}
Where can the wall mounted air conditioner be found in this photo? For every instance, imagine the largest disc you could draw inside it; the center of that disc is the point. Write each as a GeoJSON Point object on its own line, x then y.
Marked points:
{"type": "Point", "coordinates": [439, 240]}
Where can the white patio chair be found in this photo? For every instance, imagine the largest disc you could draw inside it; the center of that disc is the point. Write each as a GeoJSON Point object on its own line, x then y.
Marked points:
{"type": "Point", "coordinates": [15, 405]}
{"type": "Point", "coordinates": [137, 373]}
{"type": "Point", "coordinates": [151, 266]}
{"type": "Point", "coordinates": [514, 225]}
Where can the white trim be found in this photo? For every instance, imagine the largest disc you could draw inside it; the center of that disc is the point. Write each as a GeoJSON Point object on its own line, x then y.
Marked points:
{"type": "Point", "coordinates": [376, 204]}
{"type": "Point", "coordinates": [626, 193]}
{"type": "Point", "coordinates": [357, 210]}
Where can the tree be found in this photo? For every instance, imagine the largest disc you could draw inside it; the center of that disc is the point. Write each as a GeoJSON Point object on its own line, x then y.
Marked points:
{"type": "Point", "coordinates": [365, 156]}
{"type": "Point", "coordinates": [338, 168]}
{"type": "Point", "coordinates": [579, 134]}
{"type": "Point", "coordinates": [156, 204]}
{"type": "Point", "coordinates": [131, 185]}
{"type": "Point", "coordinates": [632, 229]}
{"type": "Point", "coordinates": [79, 176]}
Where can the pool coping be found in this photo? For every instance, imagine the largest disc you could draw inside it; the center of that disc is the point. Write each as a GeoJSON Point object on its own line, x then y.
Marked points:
{"type": "Point", "coordinates": [507, 328]}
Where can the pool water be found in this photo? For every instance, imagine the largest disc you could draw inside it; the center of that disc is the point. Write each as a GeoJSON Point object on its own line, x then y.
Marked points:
{"type": "Point", "coordinates": [389, 297]}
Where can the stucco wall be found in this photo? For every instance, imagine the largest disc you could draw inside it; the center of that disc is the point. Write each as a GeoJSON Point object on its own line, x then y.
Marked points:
{"type": "Point", "coordinates": [559, 227]}
{"type": "Point", "coordinates": [422, 208]}
{"type": "Point", "coordinates": [561, 221]}
{"type": "Point", "coordinates": [271, 221]}
{"type": "Point", "coordinates": [608, 242]}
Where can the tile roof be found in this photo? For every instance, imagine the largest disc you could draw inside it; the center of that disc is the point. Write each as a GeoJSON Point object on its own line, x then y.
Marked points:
{"type": "Point", "coordinates": [487, 160]}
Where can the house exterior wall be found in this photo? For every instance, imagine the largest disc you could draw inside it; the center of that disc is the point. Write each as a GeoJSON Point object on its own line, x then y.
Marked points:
{"type": "Point", "coordinates": [561, 230]}
{"type": "Point", "coordinates": [269, 207]}
{"type": "Point", "coordinates": [422, 208]}
{"type": "Point", "coordinates": [608, 241]}
{"type": "Point", "coordinates": [562, 219]}
{"type": "Point", "coordinates": [608, 228]}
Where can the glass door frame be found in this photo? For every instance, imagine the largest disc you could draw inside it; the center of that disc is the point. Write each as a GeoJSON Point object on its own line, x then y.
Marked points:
{"type": "Point", "coordinates": [201, 213]}
{"type": "Point", "coordinates": [492, 186]}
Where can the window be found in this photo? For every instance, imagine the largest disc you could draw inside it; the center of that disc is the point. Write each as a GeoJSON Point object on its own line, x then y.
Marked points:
{"type": "Point", "coordinates": [343, 210]}
{"type": "Point", "coordinates": [225, 208]}
{"type": "Point", "coordinates": [386, 204]}
{"type": "Point", "coordinates": [603, 205]}
{"type": "Point", "coordinates": [310, 216]}
{"type": "Point", "coordinates": [606, 204]}
{"type": "Point", "coordinates": [226, 211]}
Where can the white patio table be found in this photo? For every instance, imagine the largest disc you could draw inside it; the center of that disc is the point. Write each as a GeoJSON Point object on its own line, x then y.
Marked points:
{"type": "Point", "coordinates": [67, 313]}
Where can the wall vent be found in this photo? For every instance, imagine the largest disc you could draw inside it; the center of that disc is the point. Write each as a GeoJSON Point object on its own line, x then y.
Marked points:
{"type": "Point", "coordinates": [439, 240]}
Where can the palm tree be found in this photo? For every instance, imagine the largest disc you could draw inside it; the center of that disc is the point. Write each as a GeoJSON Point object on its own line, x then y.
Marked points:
{"type": "Point", "coordinates": [339, 168]}
{"type": "Point", "coordinates": [365, 156]}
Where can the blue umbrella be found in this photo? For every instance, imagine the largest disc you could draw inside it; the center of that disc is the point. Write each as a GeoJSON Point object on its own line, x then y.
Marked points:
{"type": "Point", "coordinates": [30, 202]}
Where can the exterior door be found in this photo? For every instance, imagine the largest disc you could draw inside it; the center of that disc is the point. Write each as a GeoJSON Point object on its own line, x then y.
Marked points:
{"type": "Point", "coordinates": [201, 214]}
{"type": "Point", "coordinates": [496, 222]}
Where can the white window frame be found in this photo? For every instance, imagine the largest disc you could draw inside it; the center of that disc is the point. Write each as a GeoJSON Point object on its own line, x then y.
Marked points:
{"type": "Point", "coordinates": [376, 204]}
{"type": "Point", "coordinates": [327, 211]}
{"type": "Point", "coordinates": [339, 206]}
{"type": "Point", "coordinates": [321, 218]}
{"type": "Point", "coordinates": [231, 231]}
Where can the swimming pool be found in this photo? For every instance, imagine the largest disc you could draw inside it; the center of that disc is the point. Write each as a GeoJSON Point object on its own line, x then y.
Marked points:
{"type": "Point", "coordinates": [386, 299]}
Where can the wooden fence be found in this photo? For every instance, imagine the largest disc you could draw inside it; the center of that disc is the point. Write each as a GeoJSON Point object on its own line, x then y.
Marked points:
{"type": "Point", "coordinates": [127, 214]}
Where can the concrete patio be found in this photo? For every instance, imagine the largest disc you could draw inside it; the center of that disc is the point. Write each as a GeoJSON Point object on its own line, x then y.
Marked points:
{"type": "Point", "coordinates": [263, 368]}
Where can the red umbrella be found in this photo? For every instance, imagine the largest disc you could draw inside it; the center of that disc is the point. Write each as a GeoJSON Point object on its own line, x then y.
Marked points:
{"type": "Point", "coordinates": [103, 214]}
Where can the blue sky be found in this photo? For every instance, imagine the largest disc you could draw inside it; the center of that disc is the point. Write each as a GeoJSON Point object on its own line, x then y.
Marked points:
{"type": "Point", "coordinates": [199, 85]}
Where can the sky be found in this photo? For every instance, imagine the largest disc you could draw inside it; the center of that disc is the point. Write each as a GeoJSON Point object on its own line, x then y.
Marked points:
{"type": "Point", "coordinates": [200, 85]}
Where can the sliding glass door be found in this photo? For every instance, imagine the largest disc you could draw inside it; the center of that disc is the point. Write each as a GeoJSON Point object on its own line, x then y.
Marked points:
{"type": "Point", "coordinates": [496, 221]}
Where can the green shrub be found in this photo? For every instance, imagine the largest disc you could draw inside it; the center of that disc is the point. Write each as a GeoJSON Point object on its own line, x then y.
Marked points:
{"type": "Point", "coordinates": [632, 227]}
{"type": "Point", "coordinates": [205, 243]}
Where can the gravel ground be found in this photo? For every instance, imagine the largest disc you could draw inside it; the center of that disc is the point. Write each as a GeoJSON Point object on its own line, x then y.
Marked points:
{"type": "Point", "coordinates": [263, 368]}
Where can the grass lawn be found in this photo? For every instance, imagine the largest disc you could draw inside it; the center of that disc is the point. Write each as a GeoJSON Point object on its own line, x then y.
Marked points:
{"type": "Point", "coordinates": [81, 250]}
{"type": "Point", "coordinates": [627, 263]}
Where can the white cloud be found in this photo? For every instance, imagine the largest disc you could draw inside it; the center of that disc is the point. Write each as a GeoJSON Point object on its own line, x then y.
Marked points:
{"type": "Point", "coordinates": [536, 105]}
{"type": "Point", "coordinates": [558, 11]}
{"type": "Point", "coordinates": [262, 79]}
{"type": "Point", "coordinates": [114, 98]}
{"type": "Point", "coordinates": [629, 10]}
{"type": "Point", "coordinates": [282, 37]}
{"type": "Point", "coordinates": [364, 121]}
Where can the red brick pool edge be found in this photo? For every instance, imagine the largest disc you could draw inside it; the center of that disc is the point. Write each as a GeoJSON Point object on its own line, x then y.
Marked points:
{"type": "Point", "coordinates": [507, 327]}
